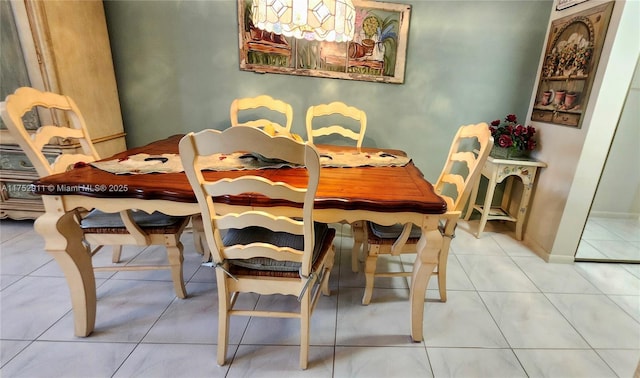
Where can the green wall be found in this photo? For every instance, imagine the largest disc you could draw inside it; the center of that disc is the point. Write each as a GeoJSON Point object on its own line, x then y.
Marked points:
{"type": "Point", "coordinates": [468, 61]}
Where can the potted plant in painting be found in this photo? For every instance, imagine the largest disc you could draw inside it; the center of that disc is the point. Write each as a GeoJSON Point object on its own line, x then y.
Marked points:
{"type": "Point", "coordinates": [511, 139]}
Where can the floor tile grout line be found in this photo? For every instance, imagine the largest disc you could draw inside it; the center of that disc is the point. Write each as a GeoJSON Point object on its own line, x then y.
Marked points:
{"type": "Point", "coordinates": [141, 341]}
{"type": "Point", "coordinates": [583, 274]}
{"type": "Point", "coordinates": [591, 347]}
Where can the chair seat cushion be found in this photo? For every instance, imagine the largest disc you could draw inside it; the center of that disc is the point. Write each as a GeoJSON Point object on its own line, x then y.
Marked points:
{"type": "Point", "coordinates": [99, 222]}
{"type": "Point", "coordinates": [393, 231]}
{"type": "Point", "coordinates": [281, 239]}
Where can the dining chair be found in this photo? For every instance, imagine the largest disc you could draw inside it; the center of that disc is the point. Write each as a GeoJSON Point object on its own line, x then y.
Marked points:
{"type": "Point", "coordinates": [462, 168]}
{"type": "Point", "coordinates": [128, 227]}
{"type": "Point", "coordinates": [273, 108]}
{"type": "Point", "coordinates": [269, 250]}
{"type": "Point", "coordinates": [353, 122]}
{"type": "Point", "coordinates": [352, 125]}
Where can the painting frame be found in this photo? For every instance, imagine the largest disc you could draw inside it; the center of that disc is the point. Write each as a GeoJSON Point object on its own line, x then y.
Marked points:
{"type": "Point", "coordinates": [381, 60]}
{"type": "Point", "coordinates": [564, 4]}
{"type": "Point", "coordinates": [569, 65]}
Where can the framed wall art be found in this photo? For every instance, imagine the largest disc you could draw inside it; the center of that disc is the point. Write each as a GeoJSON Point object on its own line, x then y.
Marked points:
{"type": "Point", "coordinates": [564, 4]}
{"type": "Point", "coordinates": [377, 52]}
{"type": "Point", "coordinates": [569, 66]}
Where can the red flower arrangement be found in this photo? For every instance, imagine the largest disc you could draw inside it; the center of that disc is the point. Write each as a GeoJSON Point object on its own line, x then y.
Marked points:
{"type": "Point", "coordinates": [513, 135]}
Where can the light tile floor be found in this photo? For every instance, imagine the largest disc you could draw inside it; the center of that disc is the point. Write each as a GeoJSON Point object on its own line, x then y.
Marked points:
{"type": "Point", "coordinates": [508, 314]}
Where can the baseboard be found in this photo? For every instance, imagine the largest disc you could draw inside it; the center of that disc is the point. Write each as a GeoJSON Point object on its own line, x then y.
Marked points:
{"type": "Point", "coordinates": [563, 259]}
{"type": "Point", "coordinates": [613, 215]}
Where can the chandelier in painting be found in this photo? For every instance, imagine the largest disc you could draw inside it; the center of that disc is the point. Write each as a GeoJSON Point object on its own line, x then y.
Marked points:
{"type": "Point", "coordinates": [320, 20]}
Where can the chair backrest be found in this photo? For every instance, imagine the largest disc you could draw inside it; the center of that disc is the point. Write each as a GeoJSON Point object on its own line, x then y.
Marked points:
{"type": "Point", "coordinates": [336, 108]}
{"type": "Point", "coordinates": [467, 155]}
{"type": "Point", "coordinates": [262, 101]}
{"type": "Point", "coordinates": [298, 199]}
{"type": "Point", "coordinates": [64, 109]}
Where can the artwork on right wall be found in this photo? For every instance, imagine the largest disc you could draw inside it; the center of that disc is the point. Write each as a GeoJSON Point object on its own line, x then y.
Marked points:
{"type": "Point", "coordinates": [564, 4]}
{"type": "Point", "coordinates": [569, 66]}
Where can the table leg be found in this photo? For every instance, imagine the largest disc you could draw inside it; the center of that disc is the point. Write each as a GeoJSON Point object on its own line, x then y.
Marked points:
{"type": "Point", "coordinates": [428, 248]}
{"type": "Point", "coordinates": [199, 238]}
{"type": "Point", "coordinates": [357, 229]}
{"type": "Point", "coordinates": [63, 240]}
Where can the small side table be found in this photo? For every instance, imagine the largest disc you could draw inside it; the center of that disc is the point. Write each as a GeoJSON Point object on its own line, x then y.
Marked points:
{"type": "Point", "coordinates": [496, 170]}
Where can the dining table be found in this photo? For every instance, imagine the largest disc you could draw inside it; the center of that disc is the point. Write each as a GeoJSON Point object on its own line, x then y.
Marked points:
{"type": "Point", "coordinates": [385, 194]}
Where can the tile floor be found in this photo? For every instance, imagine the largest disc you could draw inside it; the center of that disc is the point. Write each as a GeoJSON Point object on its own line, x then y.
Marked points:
{"type": "Point", "coordinates": [508, 314]}
{"type": "Point", "coordinates": [610, 239]}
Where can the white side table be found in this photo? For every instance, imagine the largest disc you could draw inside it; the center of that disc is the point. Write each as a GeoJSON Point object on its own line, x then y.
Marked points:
{"type": "Point", "coordinates": [496, 170]}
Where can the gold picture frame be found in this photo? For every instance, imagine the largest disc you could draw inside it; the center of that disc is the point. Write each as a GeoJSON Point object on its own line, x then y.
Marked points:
{"type": "Point", "coordinates": [376, 54]}
{"type": "Point", "coordinates": [569, 66]}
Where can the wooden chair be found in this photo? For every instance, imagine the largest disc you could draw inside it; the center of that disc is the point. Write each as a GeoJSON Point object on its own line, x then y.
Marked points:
{"type": "Point", "coordinates": [328, 112]}
{"type": "Point", "coordinates": [263, 101]}
{"type": "Point", "coordinates": [273, 107]}
{"type": "Point", "coordinates": [320, 115]}
{"type": "Point", "coordinates": [116, 229]}
{"type": "Point", "coordinates": [461, 169]}
{"type": "Point", "coordinates": [284, 253]}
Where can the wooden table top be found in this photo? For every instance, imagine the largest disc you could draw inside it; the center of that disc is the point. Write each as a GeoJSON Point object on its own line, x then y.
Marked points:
{"type": "Point", "coordinates": [381, 189]}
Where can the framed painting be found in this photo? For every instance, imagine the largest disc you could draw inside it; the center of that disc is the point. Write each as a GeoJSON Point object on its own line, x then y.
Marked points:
{"type": "Point", "coordinates": [569, 66]}
{"type": "Point", "coordinates": [377, 52]}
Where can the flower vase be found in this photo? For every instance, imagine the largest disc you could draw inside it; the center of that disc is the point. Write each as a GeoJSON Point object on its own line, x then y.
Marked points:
{"type": "Point", "coordinates": [507, 153]}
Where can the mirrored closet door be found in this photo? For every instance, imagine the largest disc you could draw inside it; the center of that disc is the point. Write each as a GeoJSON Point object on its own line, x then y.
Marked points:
{"type": "Point", "coordinates": [612, 230]}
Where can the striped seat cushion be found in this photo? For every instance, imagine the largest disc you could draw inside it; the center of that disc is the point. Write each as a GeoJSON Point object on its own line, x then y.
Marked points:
{"type": "Point", "coordinates": [98, 222]}
{"type": "Point", "coordinates": [281, 239]}
{"type": "Point", "coordinates": [393, 231]}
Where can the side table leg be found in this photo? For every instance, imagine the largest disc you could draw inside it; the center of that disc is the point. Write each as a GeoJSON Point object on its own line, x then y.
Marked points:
{"type": "Point", "coordinates": [428, 248]}
{"type": "Point", "coordinates": [63, 240]}
{"type": "Point", "coordinates": [486, 206]}
{"type": "Point", "coordinates": [472, 199]}
{"type": "Point", "coordinates": [506, 194]}
{"type": "Point", "coordinates": [522, 210]}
